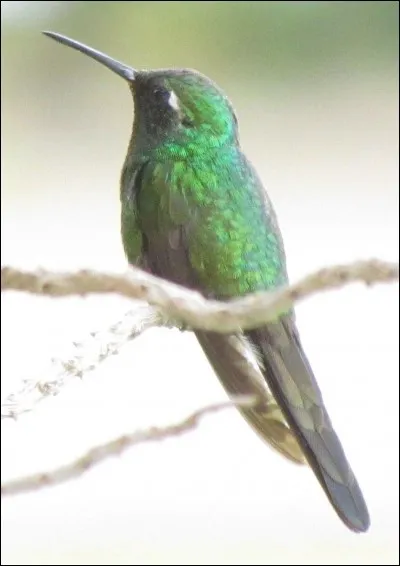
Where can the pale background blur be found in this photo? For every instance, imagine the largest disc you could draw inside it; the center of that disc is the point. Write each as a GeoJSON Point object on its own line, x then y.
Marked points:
{"type": "Point", "coordinates": [315, 86]}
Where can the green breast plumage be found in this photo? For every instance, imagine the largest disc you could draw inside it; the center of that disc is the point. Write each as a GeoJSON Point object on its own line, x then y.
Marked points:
{"type": "Point", "coordinates": [225, 221]}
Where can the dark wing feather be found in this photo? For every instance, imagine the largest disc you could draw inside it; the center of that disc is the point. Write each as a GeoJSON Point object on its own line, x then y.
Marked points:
{"type": "Point", "coordinates": [165, 221]}
{"type": "Point", "coordinates": [236, 367]}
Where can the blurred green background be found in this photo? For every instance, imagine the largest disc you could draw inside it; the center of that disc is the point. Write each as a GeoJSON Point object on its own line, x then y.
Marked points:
{"type": "Point", "coordinates": [315, 86]}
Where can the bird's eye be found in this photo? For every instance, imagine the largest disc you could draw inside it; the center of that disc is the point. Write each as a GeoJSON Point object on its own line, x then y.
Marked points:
{"type": "Point", "coordinates": [161, 93]}
{"type": "Point", "coordinates": [167, 98]}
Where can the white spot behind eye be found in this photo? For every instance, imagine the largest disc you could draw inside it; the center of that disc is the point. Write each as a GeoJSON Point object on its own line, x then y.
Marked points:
{"type": "Point", "coordinates": [173, 101]}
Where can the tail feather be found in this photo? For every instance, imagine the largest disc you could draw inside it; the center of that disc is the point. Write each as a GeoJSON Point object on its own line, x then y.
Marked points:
{"type": "Point", "coordinates": [291, 380]}
{"type": "Point", "coordinates": [236, 367]}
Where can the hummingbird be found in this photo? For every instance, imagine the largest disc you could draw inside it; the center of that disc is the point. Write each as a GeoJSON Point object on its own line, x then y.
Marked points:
{"type": "Point", "coordinates": [194, 212]}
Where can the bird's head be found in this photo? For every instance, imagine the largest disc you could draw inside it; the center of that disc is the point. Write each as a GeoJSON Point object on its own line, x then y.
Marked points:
{"type": "Point", "coordinates": [176, 110]}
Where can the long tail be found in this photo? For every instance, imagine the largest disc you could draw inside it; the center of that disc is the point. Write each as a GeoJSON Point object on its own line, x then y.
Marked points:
{"type": "Point", "coordinates": [290, 379]}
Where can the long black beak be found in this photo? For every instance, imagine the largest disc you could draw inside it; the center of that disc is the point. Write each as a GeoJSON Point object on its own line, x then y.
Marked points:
{"type": "Point", "coordinates": [120, 69]}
